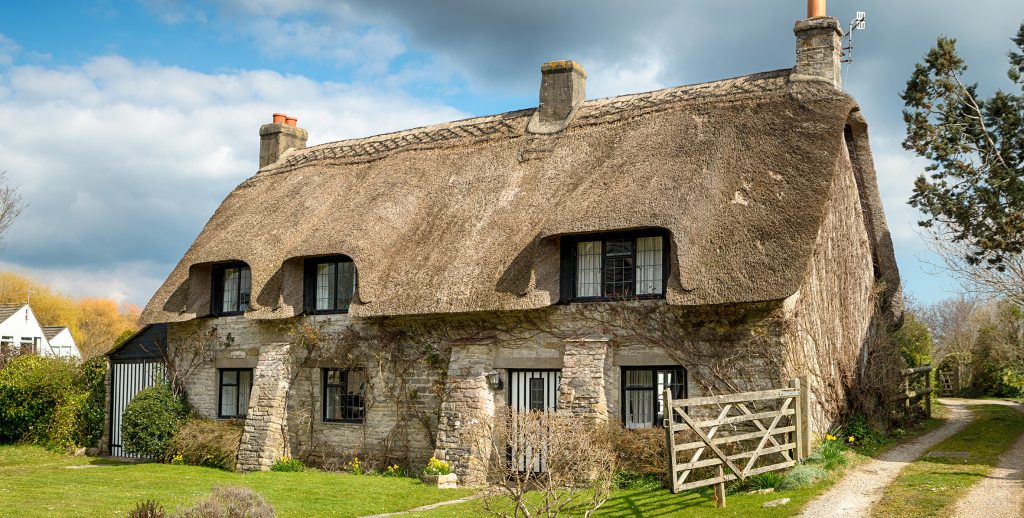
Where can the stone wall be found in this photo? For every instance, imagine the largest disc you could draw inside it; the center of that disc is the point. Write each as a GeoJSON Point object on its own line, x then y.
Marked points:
{"type": "Point", "coordinates": [834, 309]}
{"type": "Point", "coordinates": [426, 376]}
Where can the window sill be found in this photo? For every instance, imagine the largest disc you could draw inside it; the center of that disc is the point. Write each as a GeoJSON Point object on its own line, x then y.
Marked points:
{"type": "Point", "coordinates": [632, 298]}
{"type": "Point", "coordinates": [343, 421]}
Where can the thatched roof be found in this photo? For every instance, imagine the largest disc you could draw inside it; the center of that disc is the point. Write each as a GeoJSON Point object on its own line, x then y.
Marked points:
{"type": "Point", "coordinates": [465, 216]}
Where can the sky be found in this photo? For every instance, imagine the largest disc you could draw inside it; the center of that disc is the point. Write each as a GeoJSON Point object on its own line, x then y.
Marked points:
{"type": "Point", "coordinates": [125, 124]}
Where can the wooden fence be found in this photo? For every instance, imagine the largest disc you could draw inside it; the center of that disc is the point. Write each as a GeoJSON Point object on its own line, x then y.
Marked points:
{"type": "Point", "coordinates": [775, 432]}
{"type": "Point", "coordinates": [917, 383]}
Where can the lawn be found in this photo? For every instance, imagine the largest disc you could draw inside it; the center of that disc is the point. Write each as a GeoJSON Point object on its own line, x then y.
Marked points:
{"type": "Point", "coordinates": [35, 482]}
{"type": "Point", "coordinates": [931, 484]}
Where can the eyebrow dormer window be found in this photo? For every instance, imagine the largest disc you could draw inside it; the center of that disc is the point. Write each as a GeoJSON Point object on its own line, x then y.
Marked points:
{"type": "Point", "coordinates": [330, 284]}
{"type": "Point", "coordinates": [614, 266]}
{"type": "Point", "coordinates": [232, 287]}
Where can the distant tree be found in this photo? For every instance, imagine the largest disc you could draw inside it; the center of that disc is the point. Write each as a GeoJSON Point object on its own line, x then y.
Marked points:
{"type": "Point", "coordinates": [11, 205]}
{"type": "Point", "coordinates": [95, 323]}
{"type": "Point", "coordinates": [101, 322]}
{"type": "Point", "coordinates": [973, 194]}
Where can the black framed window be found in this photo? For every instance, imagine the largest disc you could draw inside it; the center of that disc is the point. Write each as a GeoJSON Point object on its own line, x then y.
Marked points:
{"type": "Point", "coordinates": [615, 266]}
{"type": "Point", "coordinates": [330, 284]}
{"type": "Point", "coordinates": [235, 386]}
{"type": "Point", "coordinates": [232, 288]}
{"type": "Point", "coordinates": [344, 395]}
{"type": "Point", "coordinates": [643, 393]}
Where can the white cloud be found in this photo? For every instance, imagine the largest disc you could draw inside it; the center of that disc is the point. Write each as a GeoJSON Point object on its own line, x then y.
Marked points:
{"type": "Point", "coordinates": [7, 50]}
{"type": "Point", "coordinates": [122, 162]}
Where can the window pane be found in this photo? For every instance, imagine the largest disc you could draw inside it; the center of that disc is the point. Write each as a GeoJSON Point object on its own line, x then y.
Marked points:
{"type": "Point", "coordinates": [245, 288]}
{"type": "Point", "coordinates": [346, 285]}
{"type": "Point", "coordinates": [673, 380]}
{"type": "Point", "coordinates": [355, 387]}
{"type": "Point", "coordinates": [536, 401]}
{"type": "Point", "coordinates": [244, 388]}
{"type": "Point", "coordinates": [326, 274]}
{"type": "Point", "coordinates": [618, 268]}
{"type": "Point", "coordinates": [231, 279]}
{"type": "Point", "coordinates": [228, 401]}
{"type": "Point", "coordinates": [649, 266]}
{"type": "Point", "coordinates": [588, 269]}
{"type": "Point", "coordinates": [639, 408]}
{"type": "Point", "coordinates": [333, 377]}
{"type": "Point", "coordinates": [333, 403]}
{"type": "Point", "coordinates": [636, 378]}
{"type": "Point", "coordinates": [229, 377]}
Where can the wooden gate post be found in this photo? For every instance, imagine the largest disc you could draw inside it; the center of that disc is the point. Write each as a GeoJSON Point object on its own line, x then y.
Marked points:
{"type": "Point", "coordinates": [798, 417]}
{"type": "Point", "coordinates": [670, 439]}
{"type": "Point", "coordinates": [804, 423]}
{"type": "Point", "coordinates": [720, 489]}
{"type": "Point", "coordinates": [928, 387]}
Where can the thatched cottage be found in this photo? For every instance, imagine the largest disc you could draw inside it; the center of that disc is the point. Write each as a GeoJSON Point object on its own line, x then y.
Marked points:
{"type": "Point", "coordinates": [365, 297]}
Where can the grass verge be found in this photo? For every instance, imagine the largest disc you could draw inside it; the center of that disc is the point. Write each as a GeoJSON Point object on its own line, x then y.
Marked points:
{"type": "Point", "coordinates": [699, 503]}
{"type": "Point", "coordinates": [932, 484]}
{"type": "Point", "coordinates": [36, 482]}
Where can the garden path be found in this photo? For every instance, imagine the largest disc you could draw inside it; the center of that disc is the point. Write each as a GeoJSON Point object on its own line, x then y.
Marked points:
{"type": "Point", "coordinates": [863, 486]}
{"type": "Point", "coordinates": [1001, 493]}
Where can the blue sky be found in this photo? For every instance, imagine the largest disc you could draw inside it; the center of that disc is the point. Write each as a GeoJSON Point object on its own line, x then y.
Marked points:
{"type": "Point", "coordinates": [126, 123]}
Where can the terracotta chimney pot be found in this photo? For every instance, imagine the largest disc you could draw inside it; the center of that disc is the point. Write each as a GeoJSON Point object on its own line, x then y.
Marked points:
{"type": "Point", "coordinates": [291, 121]}
{"type": "Point", "coordinates": [279, 118]}
{"type": "Point", "coordinates": [815, 8]}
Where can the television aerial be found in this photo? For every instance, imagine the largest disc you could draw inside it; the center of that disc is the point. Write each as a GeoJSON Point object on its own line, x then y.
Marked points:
{"type": "Point", "coordinates": [859, 23]}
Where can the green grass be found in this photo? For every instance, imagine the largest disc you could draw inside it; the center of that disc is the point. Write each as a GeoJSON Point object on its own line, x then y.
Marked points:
{"type": "Point", "coordinates": [35, 482]}
{"type": "Point", "coordinates": [930, 485]}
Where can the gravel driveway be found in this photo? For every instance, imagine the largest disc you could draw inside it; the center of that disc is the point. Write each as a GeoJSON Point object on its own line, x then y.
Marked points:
{"type": "Point", "coordinates": [1001, 493]}
{"type": "Point", "coordinates": [863, 486]}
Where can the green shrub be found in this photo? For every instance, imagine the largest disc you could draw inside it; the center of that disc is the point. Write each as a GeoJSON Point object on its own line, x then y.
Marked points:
{"type": "Point", "coordinates": [769, 480]}
{"type": "Point", "coordinates": [863, 434]}
{"type": "Point", "coordinates": [802, 475]}
{"type": "Point", "coordinates": [151, 420]}
{"type": "Point", "coordinates": [288, 464]}
{"type": "Point", "coordinates": [830, 455]}
{"type": "Point", "coordinates": [52, 402]}
{"type": "Point", "coordinates": [436, 466]}
{"type": "Point", "coordinates": [636, 482]}
{"type": "Point", "coordinates": [230, 502]}
{"type": "Point", "coordinates": [148, 509]}
{"type": "Point", "coordinates": [205, 442]}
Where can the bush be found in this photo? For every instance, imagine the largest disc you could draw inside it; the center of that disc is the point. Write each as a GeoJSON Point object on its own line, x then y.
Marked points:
{"type": "Point", "coordinates": [436, 466]}
{"type": "Point", "coordinates": [151, 420]}
{"type": "Point", "coordinates": [148, 509]}
{"type": "Point", "coordinates": [830, 455]}
{"type": "Point", "coordinates": [636, 482]}
{"type": "Point", "coordinates": [288, 464]}
{"type": "Point", "coordinates": [230, 502]}
{"type": "Point", "coordinates": [205, 442]}
{"type": "Point", "coordinates": [641, 453]}
{"type": "Point", "coordinates": [863, 434]}
{"type": "Point", "coordinates": [52, 402]}
{"type": "Point", "coordinates": [768, 480]}
{"type": "Point", "coordinates": [802, 476]}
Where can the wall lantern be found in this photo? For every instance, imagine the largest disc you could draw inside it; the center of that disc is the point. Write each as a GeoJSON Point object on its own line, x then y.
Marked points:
{"type": "Point", "coordinates": [494, 380]}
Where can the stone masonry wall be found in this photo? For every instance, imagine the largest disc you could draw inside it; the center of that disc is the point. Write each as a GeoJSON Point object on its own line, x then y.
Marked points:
{"type": "Point", "coordinates": [833, 310]}
{"type": "Point", "coordinates": [264, 435]}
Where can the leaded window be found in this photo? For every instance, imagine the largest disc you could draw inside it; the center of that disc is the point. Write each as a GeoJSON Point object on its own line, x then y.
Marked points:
{"type": "Point", "coordinates": [643, 394]}
{"type": "Point", "coordinates": [344, 395]}
{"type": "Point", "coordinates": [235, 386]}
{"type": "Point", "coordinates": [232, 288]}
{"type": "Point", "coordinates": [330, 284]}
{"type": "Point", "coordinates": [615, 267]}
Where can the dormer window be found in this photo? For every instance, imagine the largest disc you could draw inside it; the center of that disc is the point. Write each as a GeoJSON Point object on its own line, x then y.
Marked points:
{"type": "Point", "coordinates": [615, 266]}
{"type": "Point", "coordinates": [232, 288]}
{"type": "Point", "coordinates": [330, 284]}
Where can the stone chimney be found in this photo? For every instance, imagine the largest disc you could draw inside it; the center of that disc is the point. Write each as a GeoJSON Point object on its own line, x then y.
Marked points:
{"type": "Point", "coordinates": [819, 47]}
{"type": "Point", "coordinates": [280, 136]}
{"type": "Point", "coordinates": [563, 86]}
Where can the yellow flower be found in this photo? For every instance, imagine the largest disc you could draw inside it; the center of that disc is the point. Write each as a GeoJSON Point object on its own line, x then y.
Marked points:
{"type": "Point", "coordinates": [830, 437]}
{"type": "Point", "coordinates": [852, 439]}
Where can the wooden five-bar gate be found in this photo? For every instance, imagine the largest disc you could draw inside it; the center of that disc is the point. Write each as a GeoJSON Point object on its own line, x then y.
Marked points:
{"type": "Point", "coordinates": [737, 436]}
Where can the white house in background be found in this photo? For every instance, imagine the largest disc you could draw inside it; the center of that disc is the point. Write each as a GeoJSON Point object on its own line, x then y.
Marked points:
{"type": "Point", "coordinates": [21, 333]}
{"type": "Point", "coordinates": [61, 342]}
